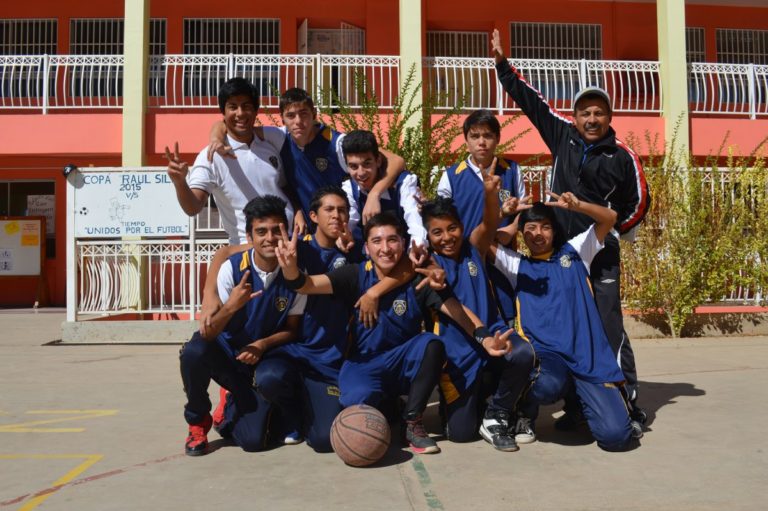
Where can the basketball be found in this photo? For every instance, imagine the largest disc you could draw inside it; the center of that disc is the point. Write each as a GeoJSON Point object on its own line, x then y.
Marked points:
{"type": "Point", "coordinates": [360, 435]}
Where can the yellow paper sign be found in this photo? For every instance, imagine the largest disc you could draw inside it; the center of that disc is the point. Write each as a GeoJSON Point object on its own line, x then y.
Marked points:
{"type": "Point", "coordinates": [11, 228]}
{"type": "Point", "coordinates": [30, 240]}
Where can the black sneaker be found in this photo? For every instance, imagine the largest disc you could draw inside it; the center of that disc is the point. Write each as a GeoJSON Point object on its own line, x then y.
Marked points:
{"type": "Point", "coordinates": [637, 414]}
{"type": "Point", "coordinates": [524, 430]}
{"type": "Point", "coordinates": [637, 429]}
{"type": "Point", "coordinates": [496, 431]}
{"type": "Point", "coordinates": [418, 439]}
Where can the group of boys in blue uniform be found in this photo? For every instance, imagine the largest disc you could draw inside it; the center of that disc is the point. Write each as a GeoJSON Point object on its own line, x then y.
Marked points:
{"type": "Point", "coordinates": [327, 317]}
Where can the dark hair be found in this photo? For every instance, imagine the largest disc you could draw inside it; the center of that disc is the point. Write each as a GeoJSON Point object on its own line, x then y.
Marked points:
{"type": "Point", "coordinates": [482, 117]}
{"type": "Point", "coordinates": [317, 197]}
{"type": "Point", "coordinates": [295, 95]}
{"type": "Point", "coordinates": [360, 142]}
{"type": "Point", "coordinates": [440, 207]}
{"type": "Point", "coordinates": [382, 219]}
{"type": "Point", "coordinates": [263, 207]}
{"type": "Point", "coordinates": [539, 212]}
{"type": "Point", "coordinates": [237, 87]}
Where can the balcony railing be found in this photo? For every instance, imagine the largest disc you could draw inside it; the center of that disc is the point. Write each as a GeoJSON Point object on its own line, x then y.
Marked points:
{"type": "Point", "coordinates": [191, 81]}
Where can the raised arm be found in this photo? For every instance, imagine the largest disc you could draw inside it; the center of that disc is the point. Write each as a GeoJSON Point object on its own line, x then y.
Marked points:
{"type": "Point", "coordinates": [482, 236]}
{"type": "Point", "coordinates": [296, 279]}
{"type": "Point", "coordinates": [395, 166]}
{"type": "Point", "coordinates": [604, 218]}
{"type": "Point", "coordinates": [550, 123]}
{"type": "Point", "coordinates": [191, 200]}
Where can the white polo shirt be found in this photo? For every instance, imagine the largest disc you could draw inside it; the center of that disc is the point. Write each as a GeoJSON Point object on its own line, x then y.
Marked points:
{"type": "Point", "coordinates": [256, 171]}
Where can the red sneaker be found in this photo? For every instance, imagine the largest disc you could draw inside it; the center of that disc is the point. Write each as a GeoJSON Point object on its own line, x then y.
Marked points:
{"type": "Point", "coordinates": [218, 413]}
{"type": "Point", "coordinates": [197, 440]}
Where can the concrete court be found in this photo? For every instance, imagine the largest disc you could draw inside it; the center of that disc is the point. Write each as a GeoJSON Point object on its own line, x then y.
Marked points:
{"type": "Point", "coordinates": [104, 422]}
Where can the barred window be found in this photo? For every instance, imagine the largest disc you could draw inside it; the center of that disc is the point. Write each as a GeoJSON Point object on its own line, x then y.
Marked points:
{"type": "Point", "coordinates": [444, 43]}
{"type": "Point", "coordinates": [28, 36]}
{"type": "Point", "coordinates": [104, 36]}
{"type": "Point", "coordinates": [556, 41]}
{"type": "Point", "coordinates": [695, 48]}
{"type": "Point", "coordinates": [742, 46]}
{"type": "Point", "coordinates": [230, 35]}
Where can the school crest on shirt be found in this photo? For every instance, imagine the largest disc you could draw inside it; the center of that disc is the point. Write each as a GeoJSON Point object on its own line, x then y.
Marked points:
{"type": "Point", "coordinates": [472, 268]}
{"type": "Point", "coordinates": [339, 262]}
{"type": "Point", "coordinates": [281, 302]}
{"type": "Point", "coordinates": [400, 306]}
{"type": "Point", "coordinates": [504, 195]}
{"type": "Point", "coordinates": [565, 261]}
{"type": "Point", "coordinates": [321, 164]}
{"type": "Point", "coordinates": [274, 161]}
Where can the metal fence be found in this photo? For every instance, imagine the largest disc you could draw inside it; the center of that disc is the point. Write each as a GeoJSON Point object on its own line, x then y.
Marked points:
{"type": "Point", "coordinates": [45, 82]}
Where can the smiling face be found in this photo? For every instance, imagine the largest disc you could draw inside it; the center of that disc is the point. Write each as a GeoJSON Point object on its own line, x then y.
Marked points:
{"type": "Point", "coordinates": [299, 120]}
{"type": "Point", "coordinates": [364, 169]}
{"type": "Point", "coordinates": [446, 235]}
{"type": "Point", "coordinates": [330, 217]}
{"type": "Point", "coordinates": [385, 247]}
{"type": "Point", "coordinates": [239, 115]}
{"type": "Point", "coordinates": [263, 236]}
{"type": "Point", "coordinates": [481, 144]}
{"type": "Point", "coordinates": [592, 118]}
{"type": "Point", "coordinates": [539, 236]}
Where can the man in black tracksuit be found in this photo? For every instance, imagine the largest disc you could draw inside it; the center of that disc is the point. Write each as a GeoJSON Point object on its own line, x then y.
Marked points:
{"type": "Point", "coordinates": [589, 161]}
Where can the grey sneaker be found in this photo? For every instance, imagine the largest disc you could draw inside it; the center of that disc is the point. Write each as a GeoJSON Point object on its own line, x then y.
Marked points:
{"type": "Point", "coordinates": [417, 437]}
{"type": "Point", "coordinates": [496, 431]}
{"type": "Point", "coordinates": [524, 430]}
{"type": "Point", "coordinates": [637, 429]}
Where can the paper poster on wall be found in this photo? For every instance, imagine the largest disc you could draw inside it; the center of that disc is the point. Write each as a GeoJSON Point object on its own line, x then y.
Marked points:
{"type": "Point", "coordinates": [43, 205]}
{"type": "Point", "coordinates": [30, 234]}
{"type": "Point", "coordinates": [6, 260]}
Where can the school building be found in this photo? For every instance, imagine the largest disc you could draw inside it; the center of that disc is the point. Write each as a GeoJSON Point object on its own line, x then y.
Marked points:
{"type": "Point", "coordinates": [112, 83]}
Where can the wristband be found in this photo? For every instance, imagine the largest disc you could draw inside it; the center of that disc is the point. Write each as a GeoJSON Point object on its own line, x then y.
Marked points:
{"type": "Point", "coordinates": [296, 283]}
{"type": "Point", "coordinates": [481, 333]}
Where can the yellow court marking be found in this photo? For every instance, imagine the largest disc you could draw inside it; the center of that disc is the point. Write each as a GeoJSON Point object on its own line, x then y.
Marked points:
{"type": "Point", "coordinates": [39, 498]}
{"type": "Point", "coordinates": [73, 415]}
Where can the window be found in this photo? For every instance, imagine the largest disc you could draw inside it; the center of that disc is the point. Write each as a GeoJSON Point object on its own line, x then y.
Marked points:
{"type": "Point", "coordinates": [28, 37]}
{"type": "Point", "coordinates": [104, 36]}
{"type": "Point", "coordinates": [738, 46]}
{"type": "Point", "coordinates": [238, 36]}
{"type": "Point", "coordinates": [695, 49]}
{"type": "Point", "coordinates": [457, 44]}
{"type": "Point", "coordinates": [556, 41]}
{"type": "Point", "coordinates": [23, 198]}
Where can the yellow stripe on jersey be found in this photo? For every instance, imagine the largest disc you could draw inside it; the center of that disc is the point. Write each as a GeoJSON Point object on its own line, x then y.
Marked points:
{"type": "Point", "coordinates": [449, 390]}
{"type": "Point", "coordinates": [368, 266]}
{"type": "Point", "coordinates": [307, 237]}
{"type": "Point", "coordinates": [589, 284]}
{"type": "Point", "coordinates": [519, 322]}
{"type": "Point", "coordinates": [244, 263]}
{"type": "Point", "coordinates": [327, 133]}
{"type": "Point", "coordinates": [502, 163]}
{"type": "Point", "coordinates": [544, 256]}
{"type": "Point", "coordinates": [435, 323]}
{"type": "Point", "coordinates": [461, 167]}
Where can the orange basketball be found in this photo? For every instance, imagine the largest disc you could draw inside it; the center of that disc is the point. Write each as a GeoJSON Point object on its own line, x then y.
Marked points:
{"type": "Point", "coordinates": [360, 435]}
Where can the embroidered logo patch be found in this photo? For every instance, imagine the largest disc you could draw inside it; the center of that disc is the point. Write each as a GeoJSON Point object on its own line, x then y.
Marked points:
{"type": "Point", "coordinates": [274, 161]}
{"type": "Point", "coordinates": [281, 303]}
{"type": "Point", "coordinates": [333, 390]}
{"type": "Point", "coordinates": [400, 306]}
{"type": "Point", "coordinates": [338, 263]}
{"type": "Point", "coordinates": [504, 195]}
{"type": "Point", "coordinates": [472, 268]}
{"type": "Point", "coordinates": [321, 164]}
{"type": "Point", "coordinates": [565, 261]}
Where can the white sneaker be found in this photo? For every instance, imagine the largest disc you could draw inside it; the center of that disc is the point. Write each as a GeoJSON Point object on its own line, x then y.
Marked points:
{"type": "Point", "coordinates": [524, 431]}
{"type": "Point", "coordinates": [293, 438]}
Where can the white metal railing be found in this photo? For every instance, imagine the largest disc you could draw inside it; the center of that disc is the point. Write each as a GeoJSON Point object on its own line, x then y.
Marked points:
{"type": "Point", "coordinates": [731, 89]}
{"type": "Point", "coordinates": [46, 82]}
{"type": "Point", "coordinates": [179, 81]}
{"type": "Point", "coordinates": [634, 86]}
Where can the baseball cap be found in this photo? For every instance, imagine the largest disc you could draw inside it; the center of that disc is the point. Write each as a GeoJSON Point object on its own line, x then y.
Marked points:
{"type": "Point", "coordinates": [592, 91]}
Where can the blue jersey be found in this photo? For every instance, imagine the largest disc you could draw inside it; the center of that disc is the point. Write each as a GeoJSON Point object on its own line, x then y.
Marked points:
{"type": "Point", "coordinates": [393, 203]}
{"type": "Point", "coordinates": [467, 278]}
{"type": "Point", "coordinates": [325, 321]}
{"type": "Point", "coordinates": [469, 197]}
{"type": "Point", "coordinates": [312, 167]}
{"type": "Point", "coordinates": [557, 313]}
{"type": "Point", "coordinates": [261, 316]}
